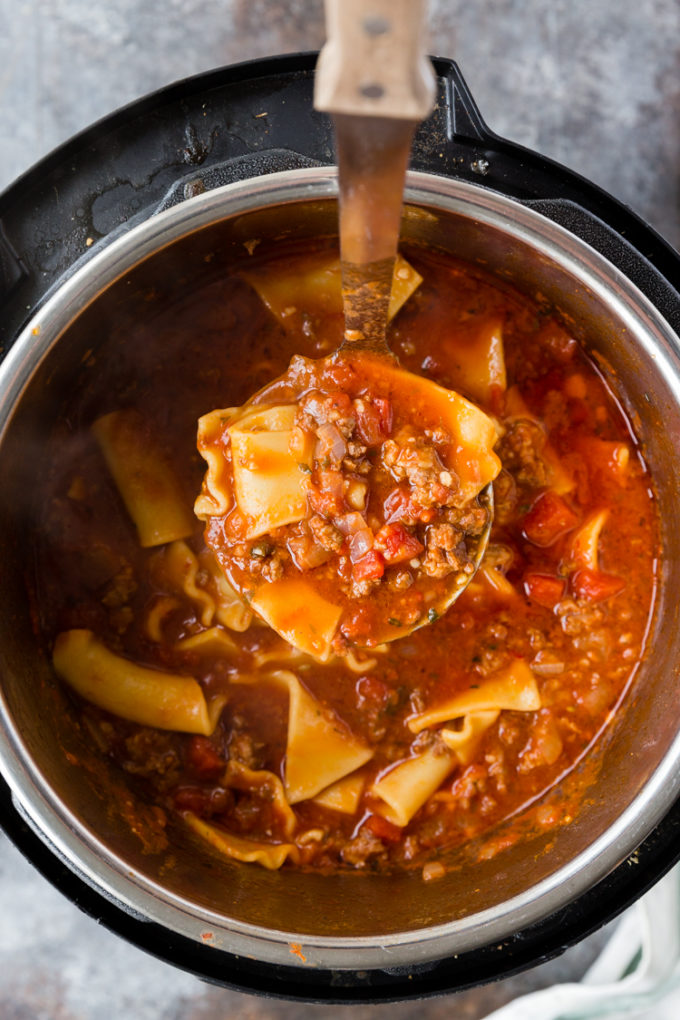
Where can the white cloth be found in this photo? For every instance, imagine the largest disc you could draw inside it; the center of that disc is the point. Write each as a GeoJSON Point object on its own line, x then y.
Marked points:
{"type": "Point", "coordinates": [636, 977]}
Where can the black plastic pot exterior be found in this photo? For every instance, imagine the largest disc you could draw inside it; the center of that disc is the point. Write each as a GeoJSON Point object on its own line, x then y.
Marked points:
{"type": "Point", "coordinates": [238, 123]}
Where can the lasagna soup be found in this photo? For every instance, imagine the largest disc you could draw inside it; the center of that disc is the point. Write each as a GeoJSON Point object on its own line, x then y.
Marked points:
{"type": "Point", "coordinates": [338, 749]}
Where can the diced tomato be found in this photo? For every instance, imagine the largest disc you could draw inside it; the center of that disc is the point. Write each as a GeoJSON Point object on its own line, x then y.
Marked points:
{"type": "Point", "coordinates": [544, 589]}
{"type": "Point", "coordinates": [595, 585]}
{"type": "Point", "coordinates": [202, 758]}
{"type": "Point", "coordinates": [397, 544]}
{"type": "Point", "coordinates": [560, 343]}
{"type": "Point", "coordinates": [327, 496]}
{"type": "Point", "coordinates": [192, 798]}
{"type": "Point", "coordinates": [388, 832]}
{"type": "Point", "coordinates": [374, 419]}
{"type": "Point", "coordinates": [397, 504]}
{"type": "Point", "coordinates": [370, 566]}
{"type": "Point", "coordinates": [549, 518]}
{"type": "Point", "coordinates": [372, 691]}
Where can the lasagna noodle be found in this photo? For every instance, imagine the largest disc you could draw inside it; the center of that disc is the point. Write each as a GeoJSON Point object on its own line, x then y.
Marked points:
{"type": "Point", "coordinates": [270, 855]}
{"type": "Point", "coordinates": [213, 641]}
{"type": "Point", "coordinates": [513, 688]}
{"type": "Point", "coordinates": [477, 359]}
{"type": "Point", "coordinates": [343, 796]}
{"type": "Point", "coordinates": [473, 433]}
{"type": "Point", "coordinates": [230, 611]}
{"type": "Point", "coordinates": [405, 788]}
{"type": "Point", "coordinates": [465, 741]}
{"type": "Point", "coordinates": [180, 566]}
{"type": "Point", "coordinates": [320, 750]}
{"type": "Point", "coordinates": [215, 498]}
{"type": "Point", "coordinates": [240, 777]}
{"type": "Point", "coordinates": [168, 701]}
{"type": "Point", "coordinates": [313, 286]}
{"type": "Point", "coordinates": [293, 608]}
{"type": "Point", "coordinates": [270, 465]}
{"type": "Point", "coordinates": [146, 482]}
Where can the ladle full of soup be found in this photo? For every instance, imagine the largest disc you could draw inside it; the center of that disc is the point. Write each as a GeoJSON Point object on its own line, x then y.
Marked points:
{"type": "Point", "coordinates": [348, 501]}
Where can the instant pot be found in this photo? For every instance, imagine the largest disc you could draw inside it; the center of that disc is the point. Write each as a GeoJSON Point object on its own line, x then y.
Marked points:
{"type": "Point", "coordinates": [135, 206]}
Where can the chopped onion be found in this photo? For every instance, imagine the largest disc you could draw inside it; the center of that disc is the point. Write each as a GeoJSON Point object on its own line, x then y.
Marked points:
{"type": "Point", "coordinates": [331, 443]}
{"type": "Point", "coordinates": [546, 664]}
{"type": "Point", "coordinates": [360, 543]}
{"type": "Point", "coordinates": [349, 524]}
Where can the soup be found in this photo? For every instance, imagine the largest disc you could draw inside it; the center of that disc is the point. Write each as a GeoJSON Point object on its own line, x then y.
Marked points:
{"type": "Point", "coordinates": [382, 757]}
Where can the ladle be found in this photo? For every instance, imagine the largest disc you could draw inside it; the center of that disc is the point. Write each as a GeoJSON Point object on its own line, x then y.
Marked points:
{"type": "Point", "coordinates": [374, 77]}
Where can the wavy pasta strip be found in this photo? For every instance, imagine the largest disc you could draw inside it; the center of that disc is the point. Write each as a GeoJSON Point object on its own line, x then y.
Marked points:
{"type": "Point", "coordinates": [181, 568]}
{"type": "Point", "coordinates": [146, 482]}
{"type": "Point", "coordinates": [270, 855]}
{"type": "Point", "coordinates": [230, 611]}
{"type": "Point", "coordinates": [343, 796]}
{"type": "Point", "coordinates": [168, 701]}
{"type": "Point", "coordinates": [269, 455]}
{"type": "Point", "coordinates": [465, 741]}
{"type": "Point", "coordinates": [312, 286]}
{"type": "Point", "coordinates": [407, 786]}
{"type": "Point", "coordinates": [240, 777]}
{"type": "Point", "coordinates": [586, 539]}
{"type": "Point", "coordinates": [320, 749]}
{"type": "Point", "coordinates": [215, 498]}
{"type": "Point", "coordinates": [213, 641]}
{"type": "Point", "coordinates": [299, 614]}
{"type": "Point", "coordinates": [512, 688]}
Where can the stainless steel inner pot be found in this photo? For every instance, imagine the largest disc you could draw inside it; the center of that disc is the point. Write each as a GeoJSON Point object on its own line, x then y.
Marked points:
{"type": "Point", "coordinates": [352, 921]}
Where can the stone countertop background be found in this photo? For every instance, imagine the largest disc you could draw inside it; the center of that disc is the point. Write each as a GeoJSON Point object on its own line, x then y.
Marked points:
{"type": "Point", "coordinates": [594, 84]}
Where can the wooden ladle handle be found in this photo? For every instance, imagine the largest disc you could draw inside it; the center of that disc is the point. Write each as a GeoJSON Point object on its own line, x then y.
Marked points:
{"type": "Point", "coordinates": [375, 63]}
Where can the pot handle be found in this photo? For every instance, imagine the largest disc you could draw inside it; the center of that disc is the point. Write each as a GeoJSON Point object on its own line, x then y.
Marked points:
{"type": "Point", "coordinates": [12, 270]}
{"type": "Point", "coordinates": [466, 120]}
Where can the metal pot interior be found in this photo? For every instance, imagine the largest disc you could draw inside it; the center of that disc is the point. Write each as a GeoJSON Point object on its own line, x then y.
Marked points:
{"type": "Point", "coordinates": [355, 921]}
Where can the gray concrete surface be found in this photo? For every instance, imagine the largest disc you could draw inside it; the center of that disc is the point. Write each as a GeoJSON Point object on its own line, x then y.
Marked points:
{"type": "Point", "coordinates": [591, 83]}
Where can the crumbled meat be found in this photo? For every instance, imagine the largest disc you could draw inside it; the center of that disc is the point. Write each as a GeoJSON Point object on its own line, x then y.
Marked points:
{"type": "Point", "coordinates": [334, 408]}
{"type": "Point", "coordinates": [356, 450]}
{"type": "Point", "coordinates": [443, 536]}
{"type": "Point", "coordinates": [364, 587]}
{"type": "Point", "coordinates": [244, 749]}
{"type": "Point", "coordinates": [327, 536]}
{"type": "Point", "coordinates": [445, 551]}
{"type": "Point", "coordinates": [363, 847]}
{"type": "Point", "coordinates": [470, 519]}
{"type": "Point", "coordinates": [120, 588]}
{"type": "Point", "coordinates": [520, 451]}
{"type": "Point", "coordinates": [401, 580]}
{"type": "Point", "coordinates": [411, 457]}
{"type": "Point", "coordinates": [152, 753]}
{"type": "Point", "coordinates": [504, 497]}
{"type": "Point", "coordinates": [272, 568]}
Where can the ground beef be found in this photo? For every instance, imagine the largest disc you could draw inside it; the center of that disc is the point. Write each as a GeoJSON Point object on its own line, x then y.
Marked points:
{"type": "Point", "coordinates": [153, 753]}
{"type": "Point", "coordinates": [243, 749]}
{"type": "Point", "coordinates": [504, 497]}
{"type": "Point", "coordinates": [411, 457]}
{"type": "Point", "coordinates": [360, 589]}
{"type": "Point", "coordinates": [323, 409]}
{"type": "Point", "coordinates": [445, 552]}
{"type": "Point", "coordinates": [362, 848]}
{"type": "Point", "coordinates": [469, 519]}
{"type": "Point", "coordinates": [520, 451]}
{"type": "Point", "coordinates": [325, 534]}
